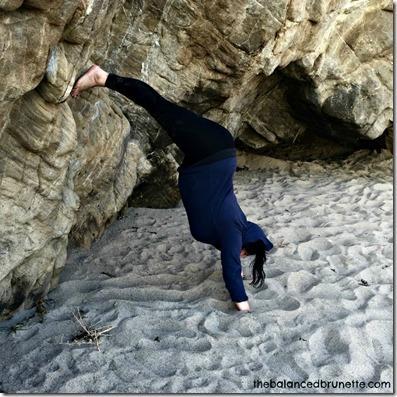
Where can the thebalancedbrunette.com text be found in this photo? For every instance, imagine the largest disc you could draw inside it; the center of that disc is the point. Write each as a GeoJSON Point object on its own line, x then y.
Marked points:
{"type": "Point", "coordinates": [320, 384]}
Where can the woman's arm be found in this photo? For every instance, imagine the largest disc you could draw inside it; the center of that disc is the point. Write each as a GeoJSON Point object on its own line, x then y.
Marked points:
{"type": "Point", "coordinates": [231, 244]}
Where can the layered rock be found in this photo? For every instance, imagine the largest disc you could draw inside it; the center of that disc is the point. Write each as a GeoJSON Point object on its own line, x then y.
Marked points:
{"type": "Point", "coordinates": [65, 164]}
{"type": "Point", "coordinates": [296, 79]}
{"type": "Point", "coordinates": [275, 73]}
{"type": "Point", "coordinates": [110, 164]}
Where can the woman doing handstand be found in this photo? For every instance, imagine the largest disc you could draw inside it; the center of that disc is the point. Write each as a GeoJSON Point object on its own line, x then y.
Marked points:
{"type": "Point", "coordinates": [205, 179]}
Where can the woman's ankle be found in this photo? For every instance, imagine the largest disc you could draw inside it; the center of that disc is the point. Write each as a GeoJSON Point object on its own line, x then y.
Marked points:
{"type": "Point", "coordinates": [101, 77]}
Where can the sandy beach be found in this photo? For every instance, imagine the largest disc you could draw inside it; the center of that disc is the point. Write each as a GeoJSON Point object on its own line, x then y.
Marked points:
{"type": "Point", "coordinates": [325, 311]}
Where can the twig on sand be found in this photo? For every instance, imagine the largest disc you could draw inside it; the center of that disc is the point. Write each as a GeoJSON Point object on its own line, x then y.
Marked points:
{"type": "Point", "coordinates": [89, 335]}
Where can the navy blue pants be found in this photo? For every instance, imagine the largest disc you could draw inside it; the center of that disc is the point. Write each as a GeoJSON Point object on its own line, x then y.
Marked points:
{"type": "Point", "coordinates": [196, 136]}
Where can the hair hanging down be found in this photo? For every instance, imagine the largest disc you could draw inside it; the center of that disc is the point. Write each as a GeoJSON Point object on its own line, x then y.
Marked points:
{"type": "Point", "coordinates": [258, 249]}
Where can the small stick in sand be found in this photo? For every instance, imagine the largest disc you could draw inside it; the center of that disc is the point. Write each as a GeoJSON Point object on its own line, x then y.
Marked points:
{"type": "Point", "coordinates": [90, 335]}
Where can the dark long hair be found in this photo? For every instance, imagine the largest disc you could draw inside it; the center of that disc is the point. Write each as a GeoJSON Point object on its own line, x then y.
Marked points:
{"type": "Point", "coordinates": [258, 249]}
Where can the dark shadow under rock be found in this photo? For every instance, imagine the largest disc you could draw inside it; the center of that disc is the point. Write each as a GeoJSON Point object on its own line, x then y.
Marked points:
{"type": "Point", "coordinates": [160, 188]}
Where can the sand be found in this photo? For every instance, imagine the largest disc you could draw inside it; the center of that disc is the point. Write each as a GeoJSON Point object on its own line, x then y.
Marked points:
{"type": "Point", "coordinates": [325, 311]}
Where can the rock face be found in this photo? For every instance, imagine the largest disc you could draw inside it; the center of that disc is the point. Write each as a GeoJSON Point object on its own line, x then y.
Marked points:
{"type": "Point", "coordinates": [299, 78]}
{"type": "Point", "coordinates": [67, 166]}
{"type": "Point", "coordinates": [266, 70]}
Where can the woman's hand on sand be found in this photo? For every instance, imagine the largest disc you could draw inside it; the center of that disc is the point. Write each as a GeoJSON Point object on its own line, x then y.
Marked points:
{"type": "Point", "coordinates": [242, 306]}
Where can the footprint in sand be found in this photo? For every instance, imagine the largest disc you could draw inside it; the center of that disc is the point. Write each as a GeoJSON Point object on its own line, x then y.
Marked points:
{"type": "Point", "coordinates": [162, 328]}
{"type": "Point", "coordinates": [285, 303]}
{"type": "Point", "coordinates": [301, 281]}
{"type": "Point", "coordinates": [334, 343]}
{"type": "Point", "coordinates": [161, 363]}
{"type": "Point", "coordinates": [265, 294]}
{"type": "Point", "coordinates": [284, 364]}
{"type": "Point", "coordinates": [311, 250]}
{"type": "Point", "coordinates": [268, 347]}
{"type": "Point", "coordinates": [296, 235]}
{"type": "Point", "coordinates": [380, 333]}
{"type": "Point", "coordinates": [307, 253]}
{"type": "Point", "coordinates": [214, 324]}
{"type": "Point", "coordinates": [248, 326]}
{"type": "Point", "coordinates": [289, 304]}
{"type": "Point", "coordinates": [328, 347]}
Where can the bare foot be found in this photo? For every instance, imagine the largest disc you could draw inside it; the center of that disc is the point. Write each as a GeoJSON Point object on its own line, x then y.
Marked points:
{"type": "Point", "coordinates": [93, 77]}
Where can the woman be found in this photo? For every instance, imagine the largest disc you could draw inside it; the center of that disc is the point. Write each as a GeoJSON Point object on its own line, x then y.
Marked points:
{"type": "Point", "coordinates": [205, 179]}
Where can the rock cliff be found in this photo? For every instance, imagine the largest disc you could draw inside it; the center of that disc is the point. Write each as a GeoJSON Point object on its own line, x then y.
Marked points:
{"type": "Point", "coordinates": [292, 78]}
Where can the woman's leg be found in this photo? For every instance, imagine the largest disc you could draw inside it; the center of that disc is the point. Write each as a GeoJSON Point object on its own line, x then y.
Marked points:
{"type": "Point", "coordinates": [168, 114]}
{"type": "Point", "coordinates": [196, 136]}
